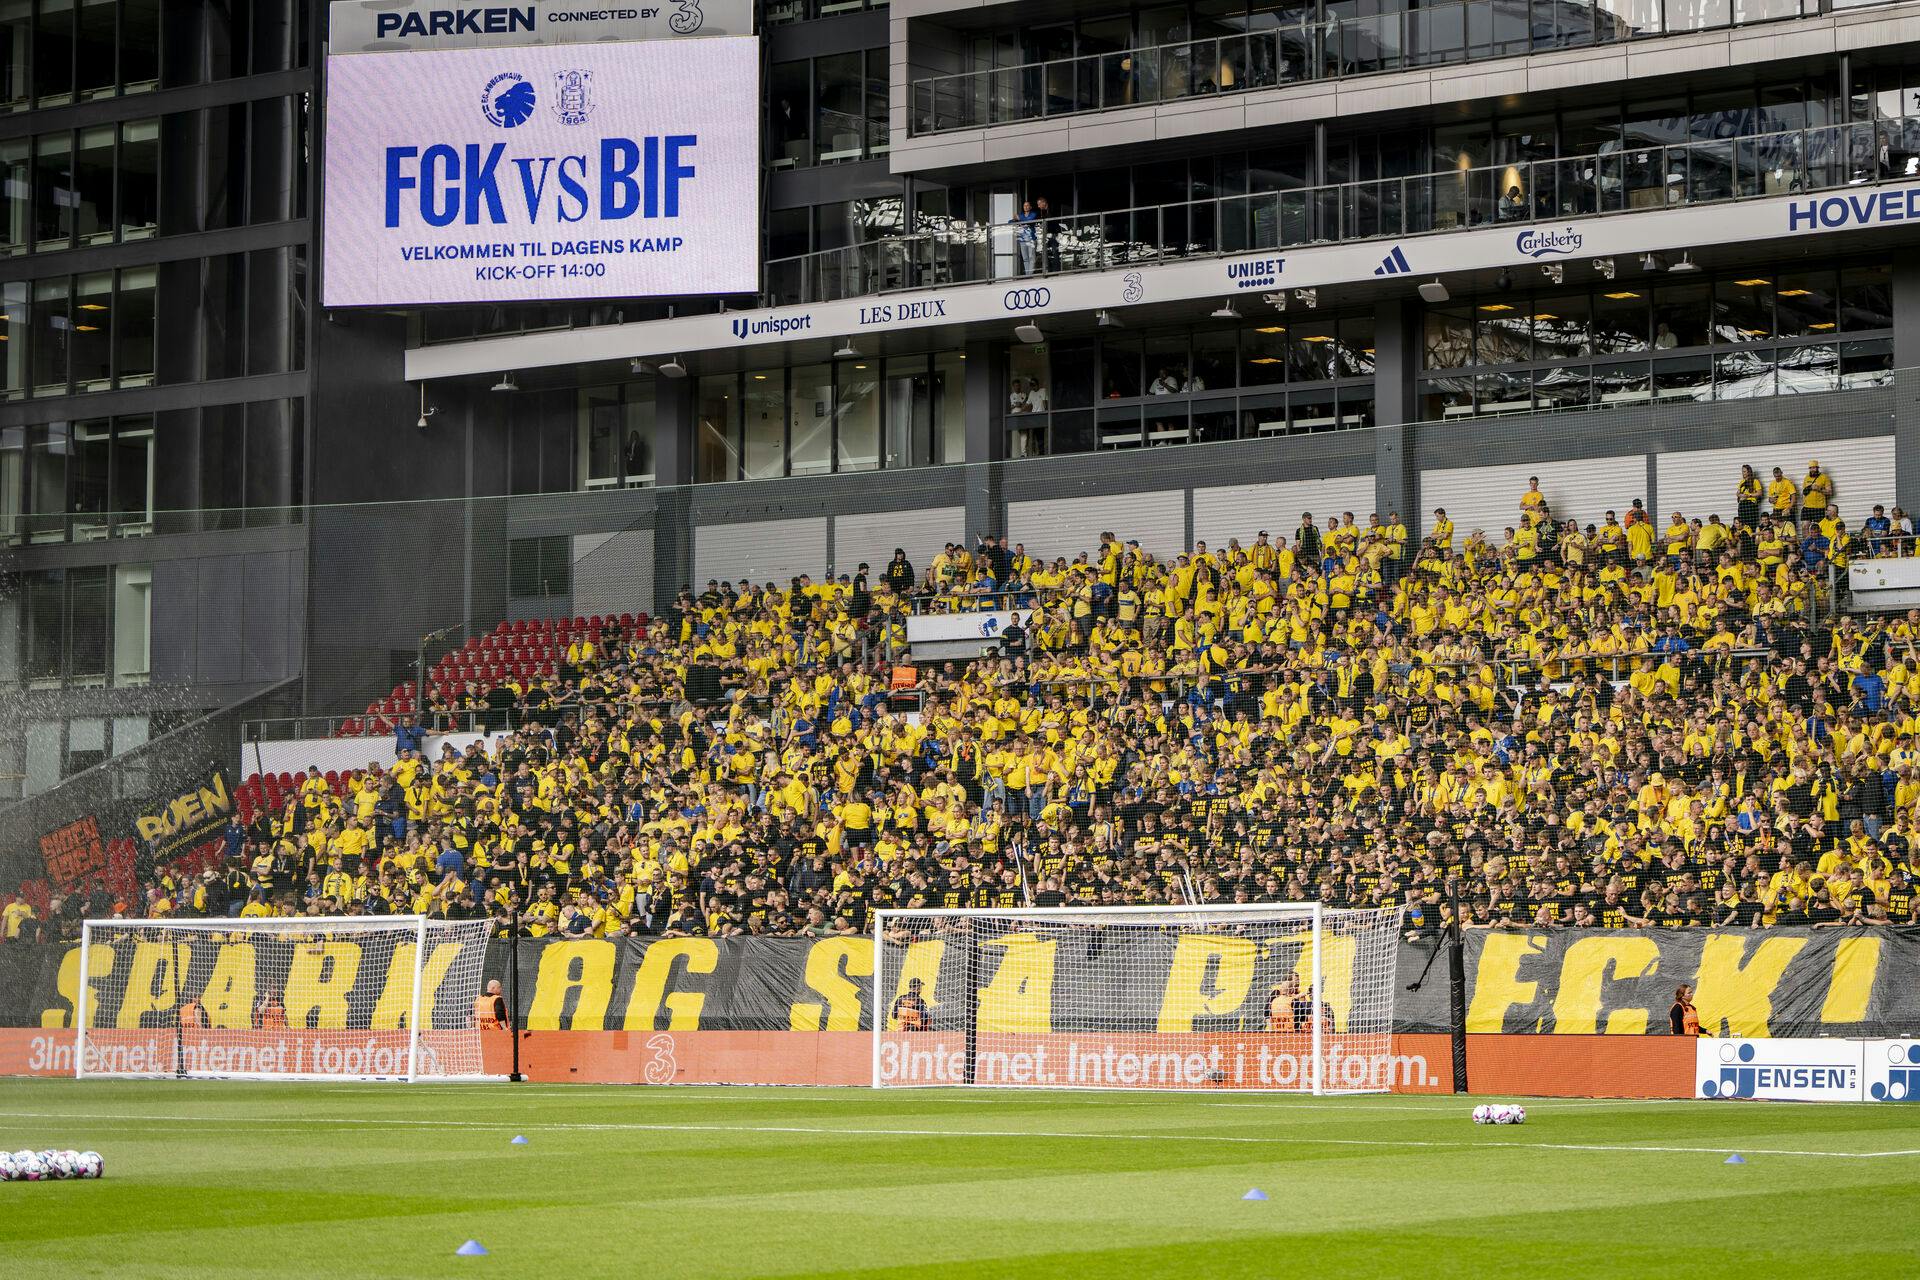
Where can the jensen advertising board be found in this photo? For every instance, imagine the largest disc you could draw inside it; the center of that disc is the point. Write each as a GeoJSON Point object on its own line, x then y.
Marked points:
{"type": "Point", "coordinates": [528, 174]}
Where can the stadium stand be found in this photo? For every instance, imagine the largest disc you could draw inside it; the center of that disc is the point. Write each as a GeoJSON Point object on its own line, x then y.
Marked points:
{"type": "Point", "coordinates": [1628, 723]}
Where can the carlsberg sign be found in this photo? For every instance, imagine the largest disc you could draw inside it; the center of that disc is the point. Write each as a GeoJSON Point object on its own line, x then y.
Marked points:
{"type": "Point", "coordinates": [540, 173]}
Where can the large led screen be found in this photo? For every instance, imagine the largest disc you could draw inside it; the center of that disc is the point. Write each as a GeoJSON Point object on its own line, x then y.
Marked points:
{"type": "Point", "coordinates": [537, 173]}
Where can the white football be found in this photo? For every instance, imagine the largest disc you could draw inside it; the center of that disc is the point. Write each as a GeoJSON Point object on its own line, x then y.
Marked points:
{"type": "Point", "coordinates": [60, 1164]}
{"type": "Point", "coordinates": [1519, 1116]}
{"type": "Point", "coordinates": [6, 1166]}
{"type": "Point", "coordinates": [1482, 1114]}
{"type": "Point", "coordinates": [91, 1165]}
{"type": "Point", "coordinates": [1502, 1113]}
{"type": "Point", "coordinates": [31, 1169]}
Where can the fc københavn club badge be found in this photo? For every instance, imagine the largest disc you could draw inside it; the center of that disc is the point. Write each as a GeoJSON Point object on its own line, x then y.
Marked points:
{"type": "Point", "coordinates": [573, 98]}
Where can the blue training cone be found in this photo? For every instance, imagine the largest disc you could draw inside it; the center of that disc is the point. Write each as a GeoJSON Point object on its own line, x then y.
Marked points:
{"type": "Point", "coordinates": [471, 1249]}
{"type": "Point", "coordinates": [519, 1139]}
{"type": "Point", "coordinates": [1255, 1194]}
{"type": "Point", "coordinates": [1735, 1158]}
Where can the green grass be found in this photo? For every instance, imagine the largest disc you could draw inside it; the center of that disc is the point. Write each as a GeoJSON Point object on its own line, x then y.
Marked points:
{"type": "Point", "coordinates": [215, 1179]}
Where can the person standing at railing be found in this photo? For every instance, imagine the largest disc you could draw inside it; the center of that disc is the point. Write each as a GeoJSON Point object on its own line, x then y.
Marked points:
{"type": "Point", "coordinates": [1026, 236]}
{"type": "Point", "coordinates": [1783, 495]}
{"type": "Point", "coordinates": [1049, 243]}
{"type": "Point", "coordinates": [1816, 491]}
{"type": "Point", "coordinates": [1747, 497]}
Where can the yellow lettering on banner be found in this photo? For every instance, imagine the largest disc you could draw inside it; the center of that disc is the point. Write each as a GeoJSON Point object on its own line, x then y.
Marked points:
{"type": "Point", "coordinates": [1855, 962]}
{"type": "Point", "coordinates": [1020, 997]}
{"type": "Point", "coordinates": [394, 1009]}
{"type": "Point", "coordinates": [1496, 982]}
{"type": "Point", "coordinates": [153, 981]}
{"type": "Point", "coordinates": [228, 997]}
{"type": "Point", "coordinates": [832, 966]}
{"type": "Point", "coordinates": [100, 962]}
{"type": "Point", "coordinates": [1738, 994]}
{"type": "Point", "coordinates": [650, 984]}
{"type": "Point", "coordinates": [1584, 972]}
{"type": "Point", "coordinates": [921, 961]}
{"type": "Point", "coordinates": [1336, 973]}
{"type": "Point", "coordinates": [584, 968]}
{"type": "Point", "coordinates": [319, 981]}
{"type": "Point", "coordinates": [1228, 962]}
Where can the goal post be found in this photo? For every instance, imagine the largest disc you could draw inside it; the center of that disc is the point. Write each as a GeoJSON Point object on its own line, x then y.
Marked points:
{"type": "Point", "coordinates": [1288, 997]}
{"type": "Point", "coordinates": [281, 998]}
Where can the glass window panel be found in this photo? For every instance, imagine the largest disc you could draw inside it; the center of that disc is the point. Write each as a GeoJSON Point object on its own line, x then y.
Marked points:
{"type": "Point", "coordinates": [93, 185]}
{"type": "Point", "coordinates": [765, 449]}
{"type": "Point", "coordinates": [839, 129]}
{"type": "Point", "coordinates": [1310, 350]}
{"type": "Point", "coordinates": [908, 413]}
{"type": "Point", "coordinates": [1444, 398]}
{"type": "Point", "coordinates": [950, 405]}
{"type": "Point", "coordinates": [1353, 358]}
{"type": "Point", "coordinates": [1743, 309]}
{"type": "Point", "coordinates": [132, 627]}
{"type": "Point", "coordinates": [636, 446]}
{"type": "Point", "coordinates": [16, 46]}
{"type": "Point", "coordinates": [131, 501]}
{"type": "Point", "coordinates": [13, 476]}
{"type": "Point", "coordinates": [788, 96]}
{"type": "Point", "coordinates": [130, 732]}
{"type": "Point", "coordinates": [92, 345]}
{"type": "Point", "coordinates": [1624, 383]}
{"type": "Point", "coordinates": [1215, 425]}
{"type": "Point", "coordinates": [139, 44]}
{"type": "Point", "coordinates": [1621, 319]}
{"type": "Point", "coordinates": [89, 476]}
{"type": "Point", "coordinates": [1119, 428]}
{"type": "Point", "coordinates": [1560, 326]}
{"type": "Point", "coordinates": [1166, 365]}
{"type": "Point", "coordinates": [1503, 392]}
{"type": "Point", "coordinates": [1738, 375]}
{"type": "Point", "coordinates": [16, 193]}
{"type": "Point", "coordinates": [53, 53]}
{"type": "Point", "coordinates": [716, 457]}
{"type": "Point", "coordinates": [1866, 298]}
{"type": "Point", "coordinates": [1313, 411]}
{"type": "Point", "coordinates": [1356, 407]}
{"type": "Point", "coordinates": [94, 48]}
{"type": "Point", "coordinates": [810, 420]}
{"type": "Point", "coordinates": [47, 480]}
{"type": "Point", "coordinates": [1166, 423]}
{"type": "Point", "coordinates": [597, 417]}
{"type": "Point", "coordinates": [1120, 377]}
{"type": "Point", "coordinates": [1806, 304]}
{"type": "Point", "coordinates": [1263, 355]}
{"type": "Point", "coordinates": [52, 334]}
{"type": "Point", "coordinates": [1215, 360]}
{"type": "Point", "coordinates": [1449, 338]}
{"type": "Point", "coordinates": [1070, 373]}
{"type": "Point", "coordinates": [1505, 331]}
{"type": "Point", "coordinates": [46, 597]}
{"type": "Point", "coordinates": [13, 340]}
{"type": "Point", "coordinates": [1029, 390]}
{"type": "Point", "coordinates": [53, 193]}
{"type": "Point", "coordinates": [1804, 370]}
{"type": "Point", "coordinates": [1567, 386]}
{"type": "Point", "coordinates": [87, 640]}
{"type": "Point", "coordinates": [1682, 316]}
{"type": "Point", "coordinates": [139, 179]}
{"type": "Point", "coordinates": [1866, 364]}
{"type": "Point", "coordinates": [857, 415]}
{"type": "Point", "coordinates": [133, 327]}
{"type": "Point", "coordinates": [1689, 377]}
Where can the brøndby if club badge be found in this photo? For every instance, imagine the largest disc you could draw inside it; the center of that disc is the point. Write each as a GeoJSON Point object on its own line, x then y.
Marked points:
{"type": "Point", "coordinates": [573, 96]}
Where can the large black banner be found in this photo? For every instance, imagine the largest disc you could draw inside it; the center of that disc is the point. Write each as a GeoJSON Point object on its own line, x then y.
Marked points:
{"type": "Point", "coordinates": [1779, 982]}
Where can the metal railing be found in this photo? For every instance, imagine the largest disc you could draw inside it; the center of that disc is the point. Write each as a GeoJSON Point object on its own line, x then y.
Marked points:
{"type": "Point", "coordinates": [1617, 179]}
{"type": "Point", "coordinates": [1474, 31]}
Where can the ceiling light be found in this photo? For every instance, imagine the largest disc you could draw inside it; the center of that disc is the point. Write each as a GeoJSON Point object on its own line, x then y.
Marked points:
{"type": "Point", "coordinates": [92, 306]}
{"type": "Point", "coordinates": [1686, 263]}
{"type": "Point", "coordinates": [1434, 291]}
{"type": "Point", "coordinates": [1752, 282]}
{"type": "Point", "coordinates": [1264, 360]}
{"type": "Point", "coordinates": [1271, 328]}
{"type": "Point", "coordinates": [1226, 311]}
{"type": "Point", "coordinates": [673, 368]}
{"type": "Point", "coordinates": [759, 377]}
{"type": "Point", "coordinates": [1652, 262]}
{"type": "Point", "coordinates": [1030, 333]}
{"type": "Point", "coordinates": [506, 383]}
{"type": "Point", "coordinates": [847, 350]}
{"type": "Point", "coordinates": [1503, 281]}
{"type": "Point", "coordinates": [1107, 320]}
{"type": "Point", "coordinates": [637, 366]}
{"type": "Point", "coordinates": [426, 410]}
{"type": "Point", "coordinates": [1624, 293]}
{"type": "Point", "coordinates": [1316, 337]}
{"type": "Point", "coordinates": [1795, 293]}
{"type": "Point", "coordinates": [859, 366]}
{"type": "Point", "coordinates": [1495, 306]}
{"type": "Point", "coordinates": [1545, 315]}
{"type": "Point", "coordinates": [1823, 325]}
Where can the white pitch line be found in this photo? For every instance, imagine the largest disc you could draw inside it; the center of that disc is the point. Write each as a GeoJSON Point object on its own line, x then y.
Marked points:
{"type": "Point", "coordinates": [841, 1132]}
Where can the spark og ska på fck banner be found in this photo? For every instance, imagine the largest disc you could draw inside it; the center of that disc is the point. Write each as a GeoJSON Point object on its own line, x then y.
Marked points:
{"type": "Point", "coordinates": [542, 173]}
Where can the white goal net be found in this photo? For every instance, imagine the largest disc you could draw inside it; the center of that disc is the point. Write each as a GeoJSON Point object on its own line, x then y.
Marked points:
{"type": "Point", "coordinates": [359, 998]}
{"type": "Point", "coordinates": [1281, 996]}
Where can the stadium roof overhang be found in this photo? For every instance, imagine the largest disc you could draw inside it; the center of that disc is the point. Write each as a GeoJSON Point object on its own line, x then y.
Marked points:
{"type": "Point", "coordinates": [1860, 218]}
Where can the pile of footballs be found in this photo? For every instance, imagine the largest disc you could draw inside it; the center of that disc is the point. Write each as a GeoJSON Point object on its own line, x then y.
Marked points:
{"type": "Point", "coordinates": [1499, 1113]}
{"type": "Point", "coordinates": [49, 1166]}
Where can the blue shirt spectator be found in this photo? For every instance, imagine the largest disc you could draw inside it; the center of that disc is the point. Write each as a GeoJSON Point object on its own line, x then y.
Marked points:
{"type": "Point", "coordinates": [408, 736]}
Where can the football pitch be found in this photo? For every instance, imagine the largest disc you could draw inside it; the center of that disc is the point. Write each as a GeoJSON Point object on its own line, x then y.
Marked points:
{"type": "Point", "coordinates": [231, 1179]}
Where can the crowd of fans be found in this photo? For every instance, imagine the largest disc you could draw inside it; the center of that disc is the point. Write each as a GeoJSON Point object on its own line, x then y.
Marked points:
{"type": "Point", "coordinates": [1622, 724]}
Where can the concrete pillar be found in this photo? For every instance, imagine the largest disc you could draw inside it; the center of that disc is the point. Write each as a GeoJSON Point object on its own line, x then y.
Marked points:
{"type": "Point", "coordinates": [673, 450]}
{"type": "Point", "coordinates": [1906, 382]}
{"type": "Point", "coordinates": [1396, 365]}
{"type": "Point", "coordinates": [986, 403]}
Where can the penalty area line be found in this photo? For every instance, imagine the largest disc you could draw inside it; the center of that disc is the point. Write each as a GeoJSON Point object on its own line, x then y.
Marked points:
{"type": "Point", "coordinates": [823, 1131]}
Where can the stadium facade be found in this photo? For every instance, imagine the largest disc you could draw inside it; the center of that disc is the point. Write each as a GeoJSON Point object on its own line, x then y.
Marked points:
{"type": "Point", "coordinates": [1281, 258]}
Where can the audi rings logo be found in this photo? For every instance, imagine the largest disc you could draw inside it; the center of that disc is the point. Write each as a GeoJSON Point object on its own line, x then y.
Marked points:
{"type": "Point", "coordinates": [1027, 299]}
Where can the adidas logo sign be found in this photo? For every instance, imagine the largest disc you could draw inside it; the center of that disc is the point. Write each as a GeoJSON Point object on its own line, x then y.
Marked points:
{"type": "Point", "coordinates": [1394, 264]}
